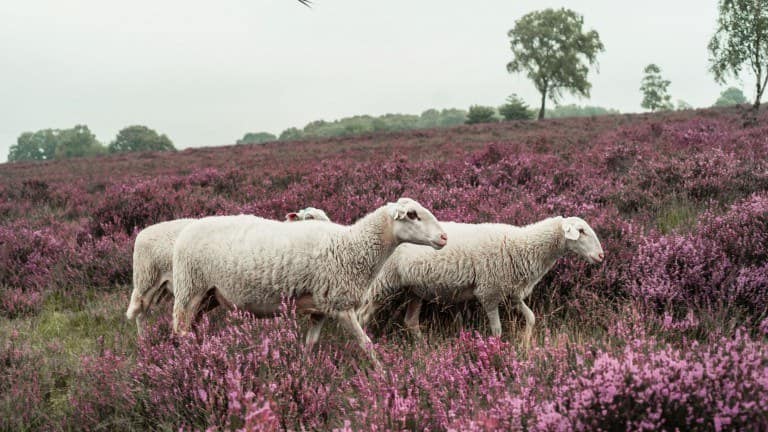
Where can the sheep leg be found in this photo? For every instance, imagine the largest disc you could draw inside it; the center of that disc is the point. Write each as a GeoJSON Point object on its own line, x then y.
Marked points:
{"type": "Point", "coordinates": [140, 323]}
{"type": "Point", "coordinates": [366, 312]}
{"type": "Point", "coordinates": [412, 317]}
{"type": "Point", "coordinates": [349, 320]}
{"type": "Point", "coordinates": [530, 320]}
{"type": "Point", "coordinates": [492, 310]}
{"type": "Point", "coordinates": [313, 334]}
{"type": "Point", "coordinates": [184, 312]}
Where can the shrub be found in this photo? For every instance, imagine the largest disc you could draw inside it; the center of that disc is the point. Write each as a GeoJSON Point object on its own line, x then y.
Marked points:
{"type": "Point", "coordinates": [481, 114]}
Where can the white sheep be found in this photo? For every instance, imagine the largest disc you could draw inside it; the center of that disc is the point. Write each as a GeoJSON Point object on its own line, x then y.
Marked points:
{"type": "Point", "coordinates": [488, 262]}
{"type": "Point", "coordinates": [253, 263]}
{"type": "Point", "coordinates": [309, 213]}
{"type": "Point", "coordinates": [153, 259]}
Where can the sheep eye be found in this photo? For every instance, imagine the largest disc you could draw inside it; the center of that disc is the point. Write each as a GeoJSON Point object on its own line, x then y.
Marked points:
{"type": "Point", "coordinates": [581, 230]}
{"type": "Point", "coordinates": [412, 215]}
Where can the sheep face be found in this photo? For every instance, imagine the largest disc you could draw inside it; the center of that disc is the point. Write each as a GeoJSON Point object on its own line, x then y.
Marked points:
{"type": "Point", "coordinates": [581, 239]}
{"type": "Point", "coordinates": [415, 224]}
{"type": "Point", "coordinates": [309, 213]}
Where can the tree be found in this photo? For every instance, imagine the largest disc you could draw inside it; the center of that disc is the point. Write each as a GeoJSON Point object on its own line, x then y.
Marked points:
{"type": "Point", "coordinates": [554, 50]}
{"type": "Point", "coordinates": [257, 138]}
{"type": "Point", "coordinates": [40, 145]}
{"type": "Point", "coordinates": [741, 41]}
{"type": "Point", "coordinates": [452, 116]}
{"type": "Point", "coordinates": [731, 96]}
{"type": "Point", "coordinates": [77, 142]}
{"type": "Point", "coordinates": [683, 105]}
{"type": "Point", "coordinates": [140, 138]}
{"type": "Point", "coordinates": [481, 114]}
{"type": "Point", "coordinates": [291, 134]}
{"type": "Point", "coordinates": [515, 109]}
{"type": "Point", "coordinates": [654, 88]}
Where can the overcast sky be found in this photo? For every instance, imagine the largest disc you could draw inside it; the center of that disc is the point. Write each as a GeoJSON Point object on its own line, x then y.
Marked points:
{"type": "Point", "coordinates": [206, 72]}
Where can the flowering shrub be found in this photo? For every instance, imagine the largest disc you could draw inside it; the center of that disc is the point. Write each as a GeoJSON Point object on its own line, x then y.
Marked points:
{"type": "Point", "coordinates": [719, 386]}
{"type": "Point", "coordinates": [669, 332]}
{"type": "Point", "coordinates": [722, 262]}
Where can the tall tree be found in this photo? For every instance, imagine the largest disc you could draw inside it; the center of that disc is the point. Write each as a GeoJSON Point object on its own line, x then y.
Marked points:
{"type": "Point", "coordinates": [552, 47]}
{"type": "Point", "coordinates": [741, 41]}
{"type": "Point", "coordinates": [654, 89]}
{"type": "Point", "coordinates": [731, 96]}
{"type": "Point", "coordinates": [140, 138]}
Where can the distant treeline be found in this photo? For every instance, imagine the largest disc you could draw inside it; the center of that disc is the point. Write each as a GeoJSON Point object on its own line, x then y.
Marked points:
{"type": "Point", "coordinates": [362, 124]}
{"type": "Point", "coordinates": [79, 141]}
{"type": "Point", "coordinates": [431, 118]}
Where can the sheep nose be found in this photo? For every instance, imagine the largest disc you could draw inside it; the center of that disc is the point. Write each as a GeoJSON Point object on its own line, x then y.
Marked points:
{"type": "Point", "coordinates": [601, 256]}
{"type": "Point", "coordinates": [444, 237]}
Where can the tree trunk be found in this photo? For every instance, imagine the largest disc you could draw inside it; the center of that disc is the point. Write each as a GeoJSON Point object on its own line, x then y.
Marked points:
{"type": "Point", "coordinates": [750, 116]}
{"type": "Point", "coordinates": [543, 101]}
{"type": "Point", "coordinates": [759, 93]}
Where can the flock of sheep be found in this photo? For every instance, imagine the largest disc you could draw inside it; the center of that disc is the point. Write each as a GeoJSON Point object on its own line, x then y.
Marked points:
{"type": "Point", "coordinates": [347, 272]}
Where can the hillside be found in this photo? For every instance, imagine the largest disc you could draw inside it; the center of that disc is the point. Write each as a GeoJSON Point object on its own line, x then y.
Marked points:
{"type": "Point", "coordinates": [679, 201]}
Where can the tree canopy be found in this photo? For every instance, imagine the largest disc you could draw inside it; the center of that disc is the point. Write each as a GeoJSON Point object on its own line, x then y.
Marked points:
{"type": "Point", "coordinates": [731, 96]}
{"type": "Point", "coordinates": [654, 89]}
{"type": "Point", "coordinates": [140, 138]}
{"type": "Point", "coordinates": [47, 144]}
{"type": "Point", "coordinates": [78, 142]}
{"type": "Point", "coordinates": [257, 138]}
{"type": "Point", "coordinates": [515, 109]}
{"type": "Point", "coordinates": [31, 146]}
{"type": "Point", "coordinates": [553, 49]}
{"type": "Point", "coordinates": [741, 42]}
{"type": "Point", "coordinates": [367, 124]}
{"type": "Point", "coordinates": [481, 114]}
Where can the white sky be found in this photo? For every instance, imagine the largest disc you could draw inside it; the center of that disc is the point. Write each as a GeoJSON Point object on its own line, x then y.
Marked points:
{"type": "Point", "coordinates": [206, 72]}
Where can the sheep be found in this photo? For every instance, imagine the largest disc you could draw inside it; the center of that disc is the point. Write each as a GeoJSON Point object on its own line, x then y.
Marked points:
{"type": "Point", "coordinates": [152, 262]}
{"type": "Point", "coordinates": [253, 263]}
{"type": "Point", "coordinates": [309, 213]}
{"type": "Point", "coordinates": [488, 262]}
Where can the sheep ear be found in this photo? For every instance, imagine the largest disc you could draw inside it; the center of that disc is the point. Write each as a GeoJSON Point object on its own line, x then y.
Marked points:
{"type": "Point", "coordinates": [396, 210]}
{"type": "Point", "coordinates": [571, 233]}
{"type": "Point", "coordinates": [292, 217]}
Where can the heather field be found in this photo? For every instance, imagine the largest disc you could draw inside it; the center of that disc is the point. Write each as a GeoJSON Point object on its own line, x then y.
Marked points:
{"type": "Point", "coordinates": [669, 332]}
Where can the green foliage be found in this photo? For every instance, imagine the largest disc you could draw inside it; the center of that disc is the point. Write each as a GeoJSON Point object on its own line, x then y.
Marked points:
{"type": "Point", "coordinates": [363, 124]}
{"type": "Point", "coordinates": [552, 48]}
{"type": "Point", "coordinates": [291, 134]}
{"type": "Point", "coordinates": [40, 145]}
{"type": "Point", "coordinates": [481, 114]}
{"type": "Point", "coordinates": [140, 138]}
{"type": "Point", "coordinates": [683, 105]}
{"type": "Point", "coordinates": [731, 96]}
{"type": "Point", "coordinates": [78, 142]}
{"type": "Point", "coordinates": [47, 144]}
{"type": "Point", "coordinates": [741, 41]}
{"type": "Point", "coordinates": [515, 109]}
{"type": "Point", "coordinates": [654, 89]}
{"type": "Point", "coordinates": [257, 138]}
{"type": "Point", "coordinates": [573, 110]}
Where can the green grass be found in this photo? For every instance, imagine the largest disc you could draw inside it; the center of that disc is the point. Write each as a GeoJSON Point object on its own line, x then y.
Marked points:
{"type": "Point", "coordinates": [678, 214]}
{"type": "Point", "coordinates": [67, 329]}
{"type": "Point", "coordinates": [76, 327]}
